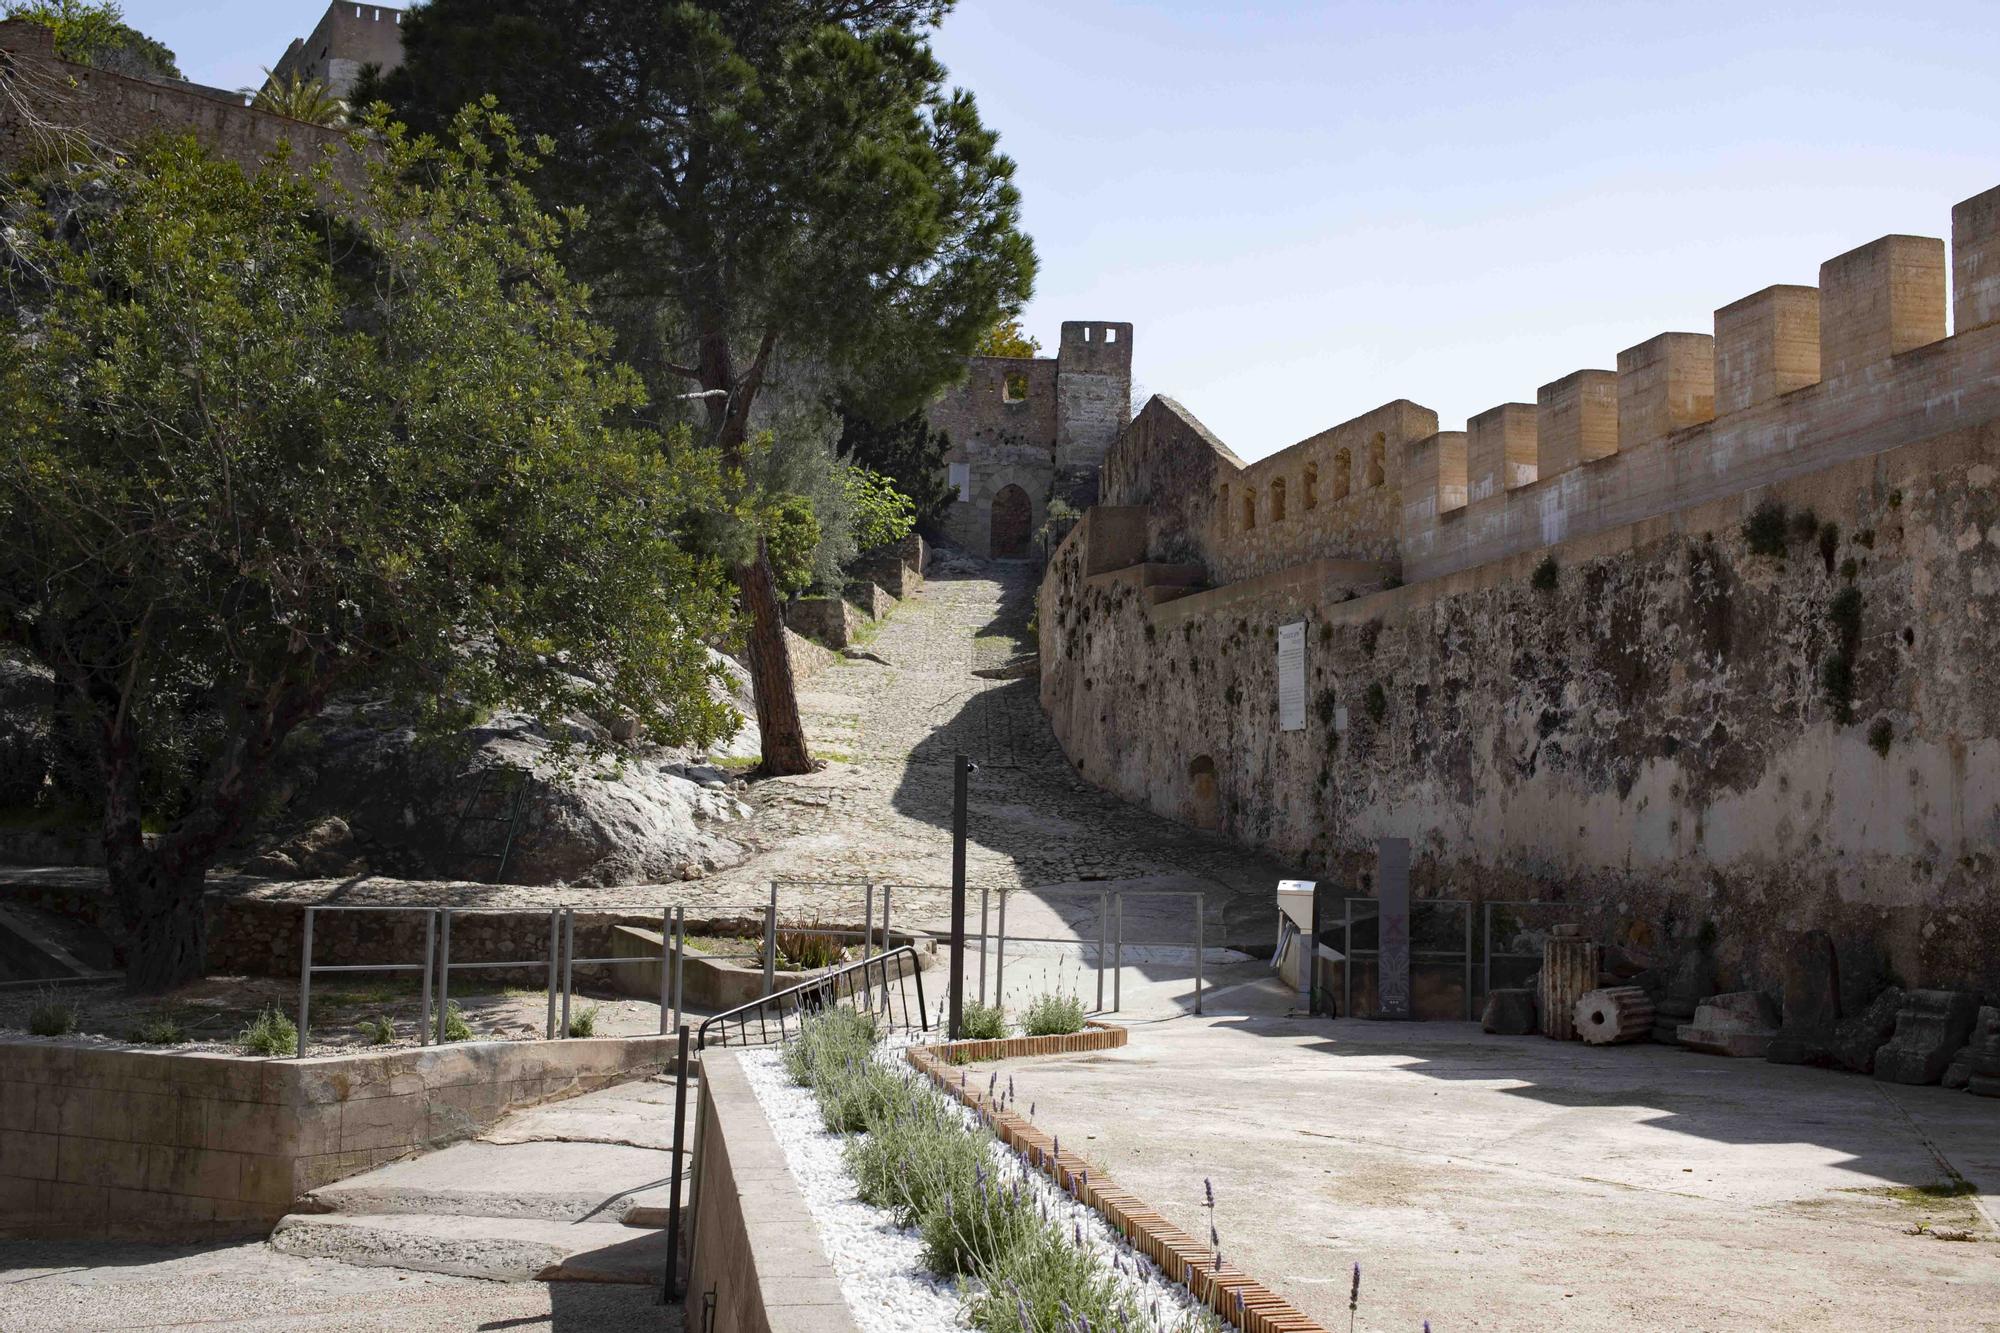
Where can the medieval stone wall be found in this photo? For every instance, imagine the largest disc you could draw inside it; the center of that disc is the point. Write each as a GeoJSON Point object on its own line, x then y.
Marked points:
{"type": "Point", "coordinates": [47, 95]}
{"type": "Point", "coordinates": [1730, 676]}
{"type": "Point", "coordinates": [1041, 424]}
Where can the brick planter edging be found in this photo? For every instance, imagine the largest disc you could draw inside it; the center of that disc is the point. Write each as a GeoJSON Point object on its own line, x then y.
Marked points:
{"type": "Point", "coordinates": [1176, 1252]}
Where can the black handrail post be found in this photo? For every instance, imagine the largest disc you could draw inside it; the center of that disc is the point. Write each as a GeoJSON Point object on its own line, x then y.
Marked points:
{"type": "Point", "coordinates": [960, 768]}
{"type": "Point", "coordinates": [673, 1279]}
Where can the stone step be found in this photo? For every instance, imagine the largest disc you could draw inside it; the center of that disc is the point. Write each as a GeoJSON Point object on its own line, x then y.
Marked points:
{"type": "Point", "coordinates": [543, 1180]}
{"type": "Point", "coordinates": [499, 1249]}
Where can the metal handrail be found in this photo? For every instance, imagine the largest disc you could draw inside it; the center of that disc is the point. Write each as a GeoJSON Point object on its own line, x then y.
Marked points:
{"type": "Point", "coordinates": [823, 991]}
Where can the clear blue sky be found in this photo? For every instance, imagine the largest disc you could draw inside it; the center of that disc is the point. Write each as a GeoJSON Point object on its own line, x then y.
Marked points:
{"type": "Point", "coordinates": [1311, 209]}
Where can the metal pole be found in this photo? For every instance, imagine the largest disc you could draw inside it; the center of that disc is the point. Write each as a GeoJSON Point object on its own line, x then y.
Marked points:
{"type": "Point", "coordinates": [568, 965]}
{"type": "Point", "coordinates": [960, 768]}
{"type": "Point", "coordinates": [1486, 963]}
{"type": "Point", "coordinates": [771, 941]}
{"type": "Point", "coordinates": [555, 962]}
{"type": "Point", "coordinates": [1347, 964]}
{"type": "Point", "coordinates": [1200, 946]}
{"type": "Point", "coordinates": [984, 894]}
{"type": "Point", "coordinates": [680, 955]}
{"type": "Point", "coordinates": [666, 980]}
{"type": "Point", "coordinates": [886, 890]}
{"type": "Point", "coordinates": [305, 985]}
{"type": "Point", "coordinates": [1000, 954]}
{"type": "Point", "coordinates": [1103, 943]}
{"type": "Point", "coordinates": [444, 975]}
{"type": "Point", "coordinates": [1118, 953]}
{"type": "Point", "coordinates": [673, 1279]}
{"type": "Point", "coordinates": [430, 958]}
{"type": "Point", "coordinates": [1468, 962]}
{"type": "Point", "coordinates": [867, 934]}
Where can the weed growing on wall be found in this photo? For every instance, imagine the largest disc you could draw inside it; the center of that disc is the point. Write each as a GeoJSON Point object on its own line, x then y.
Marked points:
{"type": "Point", "coordinates": [1545, 576]}
{"type": "Point", "coordinates": [52, 1016]}
{"type": "Point", "coordinates": [1881, 736]}
{"type": "Point", "coordinates": [1836, 675]}
{"type": "Point", "coordinates": [1377, 701]}
{"type": "Point", "coordinates": [270, 1033]}
{"type": "Point", "coordinates": [1764, 531]}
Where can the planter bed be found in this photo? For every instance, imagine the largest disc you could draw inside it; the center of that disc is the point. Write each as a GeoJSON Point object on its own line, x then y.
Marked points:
{"type": "Point", "coordinates": [880, 1265]}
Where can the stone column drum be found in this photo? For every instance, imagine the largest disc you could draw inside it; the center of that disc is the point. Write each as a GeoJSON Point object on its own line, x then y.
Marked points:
{"type": "Point", "coordinates": [1569, 969]}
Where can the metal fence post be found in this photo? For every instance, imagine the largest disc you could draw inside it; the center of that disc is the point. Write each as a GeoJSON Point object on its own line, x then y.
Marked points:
{"type": "Point", "coordinates": [666, 980]}
{"type": "Point", "coordinates": [771, 941]}
{"type": "Point", "coordinates": [1000, 955]}
{"type": "Point", "coordinates": [1347, 962]}
{"type": "Point", "coordinates": [984, 894]}
{"type": "Point", "coordinates": [1200, 945]}
{"type": "Point", "coordinates": [680, 958]}
{"type": "Point", "coordinates": [1103, 943]}
{"type": "Point", "coordinates": [1118, 953]}
{"type": "Point", "coordinates": [1468, 962]}
{"type": "Point", "coordinates": [867, 937]}
{"type": "Point", "coordinates": [555, 963]}
{"type": "Point", "coordinates": [305, 985]}
{"type": "Point", "coordinates": [885, 946]}
{"type": "Point", "coordinates": [430, 959]}
{"type": "Point", "coordinates": [673, 1277]}
{"type": "Point", "coordinates": [444, 975]}
{"type": "Point", "coordinates": [1486, 959]}
{"type": "Point", "coordinates": [568, 965]}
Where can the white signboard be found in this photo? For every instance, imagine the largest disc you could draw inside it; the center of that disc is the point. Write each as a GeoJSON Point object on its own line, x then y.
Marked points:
{"type": "Point", "coordinates": [1292, 677]}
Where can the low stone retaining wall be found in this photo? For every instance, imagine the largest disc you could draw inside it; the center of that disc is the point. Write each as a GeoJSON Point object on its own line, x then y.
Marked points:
{"type": "Point", "coordinates": [870, 599]}
{"type": "Point", "coordinates": [756, 1246]}
{"type": "Point", "coordinates": [107, 1142]}
{"type": "Point", "coordinates": [829, 620]}
{"type": "Point", "coordinates": [1234, 1295]}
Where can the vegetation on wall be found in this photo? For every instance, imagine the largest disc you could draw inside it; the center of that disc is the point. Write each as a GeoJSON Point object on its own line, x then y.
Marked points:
{"type": "Point", "coordinates": [308, 100]}
{"type": "Point", "coordinates": [94, 32]}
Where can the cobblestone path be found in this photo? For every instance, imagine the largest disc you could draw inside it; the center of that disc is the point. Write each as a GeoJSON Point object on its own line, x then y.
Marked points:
{"type": "Point", "coordinates": [952, 671]}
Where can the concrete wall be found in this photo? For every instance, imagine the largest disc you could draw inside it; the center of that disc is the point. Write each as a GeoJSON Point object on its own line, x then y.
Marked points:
{"type": "Point", "coordinates": [105, 1142]}
{"type": "Point", "coordinates": [756, 1246]}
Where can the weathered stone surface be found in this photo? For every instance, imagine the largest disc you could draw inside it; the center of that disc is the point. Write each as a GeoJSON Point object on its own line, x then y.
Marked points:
{"type": "Point", "coordinates": [26, 692]}
{"type": "Point", "coordinates": [1739, 1024]}
{"type": "Point", "coordinates": [1509, 1013]}
{"type": "Point", "coordinates": [1959, 1072]}
{"type": "Point", "coordinates": [1614, 1014]}
{"type": "Point", "coordinates": [1859, 1036]}
{"type": "Point", "coordinates": [1812, 1001]}
{"type": "Point", "coordinates": [1569, 968]}
{"type": "Point", "coordinates": [1983, 1068]}
{"type": "Point", "coordinates": [1930, 1027]}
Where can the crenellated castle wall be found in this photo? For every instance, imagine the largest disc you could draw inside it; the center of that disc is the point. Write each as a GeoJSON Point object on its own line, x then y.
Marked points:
{"type": "Point", "coordinates": [1704, 640]}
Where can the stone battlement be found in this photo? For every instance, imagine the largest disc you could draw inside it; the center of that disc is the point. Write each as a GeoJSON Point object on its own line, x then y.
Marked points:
{"type": "Point", "coordinates": [1792, 380]}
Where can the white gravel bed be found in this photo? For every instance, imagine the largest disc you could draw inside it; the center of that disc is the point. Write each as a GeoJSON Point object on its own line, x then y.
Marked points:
{"type": "Point", "coordinates": [880, 1265]}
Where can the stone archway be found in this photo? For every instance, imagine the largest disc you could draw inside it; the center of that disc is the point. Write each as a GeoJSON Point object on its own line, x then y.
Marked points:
{"type": "Point", "coordinates": [1204, 808]}
{"type": "Point", "coordinates": [1013, 523]}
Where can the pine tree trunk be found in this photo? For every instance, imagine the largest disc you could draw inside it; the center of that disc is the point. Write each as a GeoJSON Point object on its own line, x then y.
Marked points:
{"type": "Point", "coordinates": [778, 724]}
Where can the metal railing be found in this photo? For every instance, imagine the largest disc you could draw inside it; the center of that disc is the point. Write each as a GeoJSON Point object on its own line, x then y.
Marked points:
{"type": "Point", "coordinates": [855, 983]}
{"type": "Point", "coordinates": [1111, 941]}
{"type": "Point", "coordinates": [558, 966]}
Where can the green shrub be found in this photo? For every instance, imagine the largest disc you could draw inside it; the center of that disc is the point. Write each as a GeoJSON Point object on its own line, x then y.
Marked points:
{"type": "Point", "coordinates": [455, 1026]}
{"type": "Point", "coordinates": [379, 1031]}
{"type": "Point", "coordinates": [1050, 1282]}
{"type": "Point", "coordinates": [159, 1030]}
{"type": "Point", "coordinates": [583, 1023]}
{"type": "Point", "coordinates": [1545, 576]}
{"type": "Point", "coordinates": [1764, 532]}
{"type": "Point", "coordinates": [829, 1039]}
{"type": "Point", "coordinates": [1053, 1016]}
{"type": "Point", "coordinates": [52, 1015]}
{"type": "Point", "coordinates": [808, 948]}
{"type": "Point", "coordinates": [983, 1022]}
{"type": "Point", "coordinates": [270, 1033]}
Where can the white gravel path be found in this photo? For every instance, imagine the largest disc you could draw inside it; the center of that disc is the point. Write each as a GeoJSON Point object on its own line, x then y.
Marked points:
{"type": "Point", "coordinates": [880, 1265]}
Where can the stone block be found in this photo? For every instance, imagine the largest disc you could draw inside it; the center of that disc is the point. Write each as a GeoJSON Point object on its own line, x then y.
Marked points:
{"type": "Point", "coordinates": [1958, 1073]}
{"type": "Point", "coordinates": [1930, 1027]}
{"type": "Point", "coordinates": [1766, 345]}
{"type": "Point", "coordinates": [1812, 1002]}
{"type": "Point", "coordinates": [1879, 300]}
{"type": "Point", "coordinates": [1576, 421]}
{"type": "Point", "coordinates": [1510, 1013]}
{"type": "Point", "coordinates": [1983, 1068]}
{"type": "Point", "coordinates": [1975, 262]}
{"type": "Point", "coordinates": [1665, 384]}
{"type": "Point", "coordinates": [1740, 1024]}
{"type": "Point", "coordinates": [1499, 451]}
{"type": "Point", "coordinates": [1860, 1035]}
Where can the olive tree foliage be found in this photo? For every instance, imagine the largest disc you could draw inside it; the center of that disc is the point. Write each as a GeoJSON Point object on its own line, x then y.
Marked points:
{"type": "Point", "coordinates": [769, 181]}
{"type": "Point", "coordinates": [264, 439]}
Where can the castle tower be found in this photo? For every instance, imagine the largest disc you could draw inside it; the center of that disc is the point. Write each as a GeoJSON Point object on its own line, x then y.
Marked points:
{"type": "Point", "coordinates": [1093, 391]}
